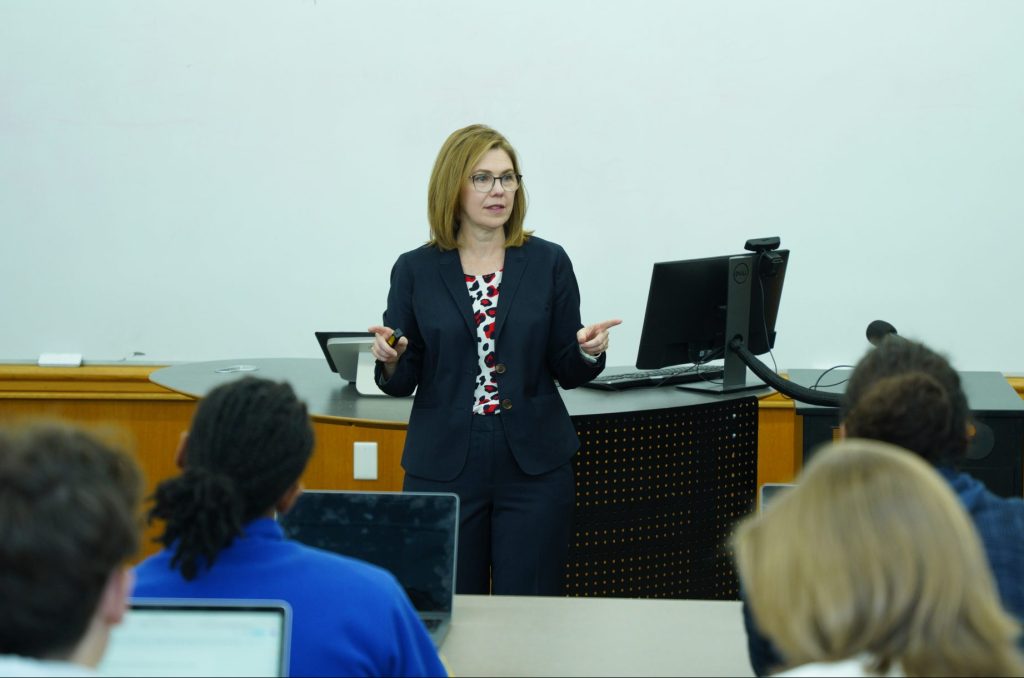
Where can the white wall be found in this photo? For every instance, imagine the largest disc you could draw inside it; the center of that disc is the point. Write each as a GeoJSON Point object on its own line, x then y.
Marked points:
{"type": "Point", "coordinates": [205, 179]}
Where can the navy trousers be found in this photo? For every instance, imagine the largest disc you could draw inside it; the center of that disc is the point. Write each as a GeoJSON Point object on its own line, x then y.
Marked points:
{"type": "Point", "coordinates": [514, 528]}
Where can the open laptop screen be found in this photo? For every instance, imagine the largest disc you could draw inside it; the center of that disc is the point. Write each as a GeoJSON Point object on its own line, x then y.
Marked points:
{"type": "Point", "coordinates": [171, 637]}
{"type": "Point", "coordinates": [411, 534]}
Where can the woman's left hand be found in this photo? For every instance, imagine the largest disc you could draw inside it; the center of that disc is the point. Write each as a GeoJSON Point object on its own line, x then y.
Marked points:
{"type": "Point", "coordinates": [593, 339]}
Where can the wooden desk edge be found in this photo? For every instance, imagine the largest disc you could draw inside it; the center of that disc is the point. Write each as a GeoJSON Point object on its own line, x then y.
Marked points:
{"type": "Point", "coordinates": [26, 378]}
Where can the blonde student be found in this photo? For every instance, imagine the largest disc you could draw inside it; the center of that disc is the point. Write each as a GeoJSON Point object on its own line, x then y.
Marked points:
{"type": "Point", "coordinates": [871, 567]}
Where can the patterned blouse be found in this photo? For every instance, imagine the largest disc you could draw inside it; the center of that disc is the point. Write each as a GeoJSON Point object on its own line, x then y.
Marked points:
{"type": "Point", "coordinates": [483, 290]}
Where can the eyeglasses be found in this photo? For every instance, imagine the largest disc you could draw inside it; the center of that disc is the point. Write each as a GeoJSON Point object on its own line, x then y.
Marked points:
{"type": "Point", "coordinates": [484, 182]}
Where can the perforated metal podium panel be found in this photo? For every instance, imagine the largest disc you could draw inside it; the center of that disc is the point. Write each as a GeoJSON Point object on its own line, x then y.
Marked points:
{"type": "Point", "coordinates": [657, 496]}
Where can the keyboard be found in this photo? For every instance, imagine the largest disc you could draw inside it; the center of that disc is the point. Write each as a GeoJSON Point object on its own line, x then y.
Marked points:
{"type": "Point", "coordinates": [614, 380]}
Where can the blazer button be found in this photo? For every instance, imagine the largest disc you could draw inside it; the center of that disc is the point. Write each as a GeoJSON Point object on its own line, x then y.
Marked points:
{"type": "Point", "coordinates": [500, 368]}
{"type": "Point", "coordinates": [506, 404]}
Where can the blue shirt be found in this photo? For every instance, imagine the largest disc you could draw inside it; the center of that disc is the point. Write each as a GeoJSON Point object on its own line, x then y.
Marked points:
{"type": "Point", "coordinates": [348, 617]}
{"type": "Point", "coordinates": [1000, 525]}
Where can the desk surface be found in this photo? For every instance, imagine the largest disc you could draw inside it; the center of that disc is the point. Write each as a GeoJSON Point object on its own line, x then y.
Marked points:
{"type": "Point", "coordinates": [329, 396]}
{"type": "Point", "coordinates": [535, 636]}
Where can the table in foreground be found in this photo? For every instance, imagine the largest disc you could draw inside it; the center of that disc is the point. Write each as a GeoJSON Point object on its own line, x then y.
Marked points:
{"type": "Point", "coordinates": [536, 636]}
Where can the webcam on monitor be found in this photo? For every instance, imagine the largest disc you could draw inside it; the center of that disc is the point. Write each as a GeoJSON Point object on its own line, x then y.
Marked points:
{"type": "Point", "coordinates": [762, 244]}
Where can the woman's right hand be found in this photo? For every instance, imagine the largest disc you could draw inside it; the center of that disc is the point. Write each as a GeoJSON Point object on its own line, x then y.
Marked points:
{"type": "Point", "coordinates": [387, 355]}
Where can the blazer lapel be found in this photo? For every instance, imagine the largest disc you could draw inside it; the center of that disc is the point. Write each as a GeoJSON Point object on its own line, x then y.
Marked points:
{"type": "Point", "coordinates": [455, 281]}
{"type": "Point", "coordinates": [511, 276]}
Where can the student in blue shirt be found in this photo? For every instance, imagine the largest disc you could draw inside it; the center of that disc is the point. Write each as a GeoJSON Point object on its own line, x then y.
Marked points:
{"type": "Point", "coordinates": [242, 460]}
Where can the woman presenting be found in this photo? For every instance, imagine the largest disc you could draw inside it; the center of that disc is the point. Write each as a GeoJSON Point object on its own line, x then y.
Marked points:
{"type": "Point", "coordinates": [489, 320]}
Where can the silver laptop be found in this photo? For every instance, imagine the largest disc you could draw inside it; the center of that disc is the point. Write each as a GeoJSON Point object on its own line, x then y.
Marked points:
{"type": "Point", "coordinates": [200, 637]}
{"type": "Point", "coordinates": [411, 534]}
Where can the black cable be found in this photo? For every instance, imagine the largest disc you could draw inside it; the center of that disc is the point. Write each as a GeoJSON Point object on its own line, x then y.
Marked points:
{"type": "Point", "coordinates": [764, 313]}
{"type": "Point", "coordinates": [665, 379]}
{"type": "Point", "coordinates": [817, 382]}
{"type": "Point", "coordinates": [783, 386]}
{"type": "Point", "coordinates": [717, 354]}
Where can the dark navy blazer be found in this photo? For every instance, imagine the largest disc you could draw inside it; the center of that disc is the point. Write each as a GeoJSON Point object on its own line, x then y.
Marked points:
{"type": "Point", "coordinates": [535, 345]}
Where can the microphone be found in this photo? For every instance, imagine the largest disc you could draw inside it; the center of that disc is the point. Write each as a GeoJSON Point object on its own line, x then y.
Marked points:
{"type": "Point", "coordinates": [878, 330]}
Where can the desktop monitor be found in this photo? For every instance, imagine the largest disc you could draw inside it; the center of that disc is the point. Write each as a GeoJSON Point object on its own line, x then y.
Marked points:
{"type": "Point", "coordinates": [696, 307]}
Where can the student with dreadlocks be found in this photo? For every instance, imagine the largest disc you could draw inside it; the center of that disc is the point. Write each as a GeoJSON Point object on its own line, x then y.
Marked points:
{"type": "Point", "coordinates": [241, 462]}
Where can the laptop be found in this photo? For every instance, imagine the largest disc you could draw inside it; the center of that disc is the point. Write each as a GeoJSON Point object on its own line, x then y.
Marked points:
{"type": "Point", "coordinates": [411, 534]}
{"type": "Point", "coordinates": [772, 491]}
{"type": "Point", "coordinates": [200, 637]}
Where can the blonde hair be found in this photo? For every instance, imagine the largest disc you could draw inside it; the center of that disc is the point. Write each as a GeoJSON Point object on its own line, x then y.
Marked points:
{"type": "Point", "coordinates": [873, 555]}
{"type": "Point", "coordinates": [461, 151]}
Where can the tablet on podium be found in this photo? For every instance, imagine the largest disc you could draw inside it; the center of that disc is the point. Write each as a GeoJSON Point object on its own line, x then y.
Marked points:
{"type": "Point", "coordinates": [348, 354]}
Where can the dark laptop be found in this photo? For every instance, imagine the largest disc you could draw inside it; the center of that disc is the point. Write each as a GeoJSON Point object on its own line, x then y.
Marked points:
{"type": "Point", "coordinates": [200, 637]}
{"type": "Point", "coordinates": [411, 534]}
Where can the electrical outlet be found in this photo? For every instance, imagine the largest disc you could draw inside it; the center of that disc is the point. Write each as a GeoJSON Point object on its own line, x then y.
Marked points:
{"type": "Point", "coordinates": [364, 461]}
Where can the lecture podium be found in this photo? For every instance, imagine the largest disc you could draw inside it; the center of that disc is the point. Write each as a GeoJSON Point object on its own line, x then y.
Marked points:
{"type": "Point", "coordinates": [994, 455]}
{"type": "Point", "coordinates": [662, 474]}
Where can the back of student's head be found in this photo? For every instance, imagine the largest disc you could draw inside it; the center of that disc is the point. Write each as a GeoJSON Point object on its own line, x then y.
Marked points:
{"type": "Point", "coordinates": [904, 393]}
{"type": "Point", "coordinates": [249, 442]}
{"type": "Point", "coordinates": [68, 520]}
{"type": "Point", "coordinates": [871, 555]}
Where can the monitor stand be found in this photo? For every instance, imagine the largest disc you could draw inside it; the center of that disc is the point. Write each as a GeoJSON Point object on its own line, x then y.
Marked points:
{"type": "Point", "coordinates": [737, 326]}
{"type": "Point", "coordinates": [709, 387]}
{"type": "Point", "coordinates": [734, 379]}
